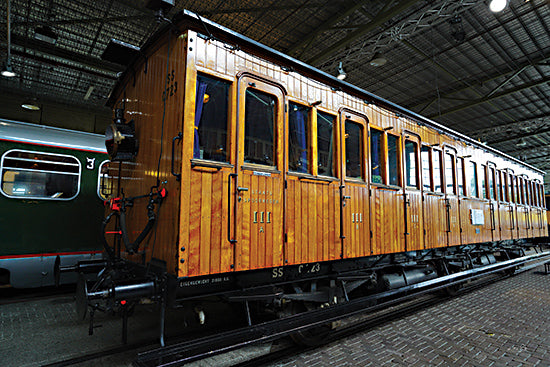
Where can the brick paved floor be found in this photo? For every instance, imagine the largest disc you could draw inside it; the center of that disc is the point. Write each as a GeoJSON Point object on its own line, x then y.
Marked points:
{"type": "Point", "coordinates": [504, 324]}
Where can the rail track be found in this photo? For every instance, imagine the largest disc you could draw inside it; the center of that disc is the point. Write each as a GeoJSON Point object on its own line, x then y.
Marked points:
{"type": "Point", "coordinates": [184, 349]}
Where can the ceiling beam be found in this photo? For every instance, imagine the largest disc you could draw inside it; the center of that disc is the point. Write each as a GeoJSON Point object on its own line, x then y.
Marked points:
{"type": "Point", "coordinates": [261, 9]}
{"type": "Point", "coordinates": [378, 20]}
{"type": "Point", "coordinates": [305, 43]}
{"type": "Point", "coordinates": [494, 96]}
{"type": "Point", "coordinates": [509, 125]}
{"type": "Point", "coordinates": [66, 55]}
{"type": "Point", "coordinates": [518, 136]}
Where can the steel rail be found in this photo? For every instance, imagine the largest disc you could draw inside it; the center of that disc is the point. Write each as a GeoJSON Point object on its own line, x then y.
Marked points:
{"type": "Point", "coordinates": [179, 354]}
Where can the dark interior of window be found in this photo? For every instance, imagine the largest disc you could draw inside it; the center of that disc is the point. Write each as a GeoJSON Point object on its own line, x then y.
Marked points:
{"type": "Point", "coordinates": [410, 164]}
{"type": "Point", "coordinates": [259, 137]}
{"type": "Point", "coordinates": [325, 143]}
{"type": "Point", "coordinates": [376, 156]}
{"type": "Point", "coordinates": [354, 154]}
{"type": "Point", "coordinates": [298, 135]}
{"type": "Point", "coordinates": [426, 163]}
{"type": "Point", "coordinates": [393, 162]}
{"type": "Point", "coordinates": [449, 177]}
{"type": "Point", "coordinates": [211, 119]}
{"type": "Point", "coordinates": [436, 155]}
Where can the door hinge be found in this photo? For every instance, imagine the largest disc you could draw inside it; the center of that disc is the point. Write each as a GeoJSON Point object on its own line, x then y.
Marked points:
{"type": "Point", "coordinates": [286, 238]}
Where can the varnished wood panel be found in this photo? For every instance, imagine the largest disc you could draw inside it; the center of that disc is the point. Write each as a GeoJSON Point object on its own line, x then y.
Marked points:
{"type": "Point", "coordinates": [453, 215]}
{"type": "Point", "coordinates": [434, 221]}
{"type": "Point", "coordinates": [475, 233]}
{"type": "Point", "coordinates": [387, 221]}
{"type": "Point", "coordinates": [415, 221]}
{"type": "Point", "coordinates": [312, 221]}
{"type": "Point", "coordinates": [506, 220]}
{"type": "Point", "coordinates": [356, 221]}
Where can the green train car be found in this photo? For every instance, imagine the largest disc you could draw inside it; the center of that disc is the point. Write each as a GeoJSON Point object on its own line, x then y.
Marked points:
{"type": "Point", "coordinates": [51, 201]}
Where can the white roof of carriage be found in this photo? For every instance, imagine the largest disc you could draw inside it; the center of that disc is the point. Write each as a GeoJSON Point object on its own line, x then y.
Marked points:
{"type": "Point", "coordinates": [51, 136]}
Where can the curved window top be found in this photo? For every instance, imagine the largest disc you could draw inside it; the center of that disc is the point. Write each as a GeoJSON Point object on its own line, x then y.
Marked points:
{"type": "Point", "coordinates": [39, 175]}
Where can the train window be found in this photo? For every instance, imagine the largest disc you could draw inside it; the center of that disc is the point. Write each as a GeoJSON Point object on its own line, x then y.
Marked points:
{"type": "Point", "coordinates": [491, 181]}
{"type": "Point", "coordinates": [498, 179]}
{"type": "Point", "coordinates": [259, 136]}
{"type": "Point", "coordinates": [376, 156]}
{"type": "Point", "coordinates": [211, 119]}
{"type": "Point", "coordinates": [298, 138]}
{"type": "Point", "coordinates": [354, 151]}
{"type": "Point", "coordinates": [483, 182]}
{"type": "Point", "coordinates": [393, 162]}
{"type": "Point", "coordinates": [511, 188]}
{"type": "Point", "coordinates": [449, 177]}
{"type": "Point", "coordinates": [38, 175]}
{"type": "Point", "coordinates": [105, 181]}
{"type": "Point", "coordinates": [460, 176]}
{"type": "Point", "coordinates": [471, 175]}
{"type": "Point", "coordinates": [411, 178]}
{"type": "Point", "coordinates": [426, 163]}
{"type": "Point", "coordinates": [436, 155]}
{"type": "Point", "coordinates": [325, 143]}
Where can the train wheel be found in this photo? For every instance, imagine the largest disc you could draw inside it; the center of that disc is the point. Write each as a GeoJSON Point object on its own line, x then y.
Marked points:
{"type": "Point", "coordinates": [313, 336]}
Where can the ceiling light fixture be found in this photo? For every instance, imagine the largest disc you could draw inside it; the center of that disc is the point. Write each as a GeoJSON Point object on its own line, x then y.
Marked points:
{"type": "Point", "coordinates": [341, 73]}
{"type": "Point", "coordinates": [7, 70]}
{"type": "Point", "coordinates": [31, 104]}
{"type": "Point", "coordinates": [46, 34]}
{"type": "Point", "coordinates": [496, 6]}
{"type": "Point", "coordinates": [521, 142]}
{"type": "Point", "coordinates": [378, 60]}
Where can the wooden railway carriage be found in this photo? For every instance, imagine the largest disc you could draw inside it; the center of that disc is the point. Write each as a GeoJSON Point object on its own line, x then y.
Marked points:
{"type": "Point", "coordinates": [276, 171]}
{"type": "Point", "coordinates": [50, 199]}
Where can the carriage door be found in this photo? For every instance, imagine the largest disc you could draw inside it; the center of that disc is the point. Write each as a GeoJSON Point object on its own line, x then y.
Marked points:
{"type": "Point", "coordinates": [354, 188]}
{"type": "Point", "coordinates": [414, 231]}
{"type": "Point", "coordinates": [258, 184]}
{"type": "Point", "coordinates": [493, 203]}
{"type": "Point", "coordinates": [452, 223]}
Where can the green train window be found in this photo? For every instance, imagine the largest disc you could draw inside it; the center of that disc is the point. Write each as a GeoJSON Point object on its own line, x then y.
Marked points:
{"type": "Point", "coordinates": [259, 136]}
{"type": "Point", "coordinates": [325, 144]}
{"type": "Point", "coordinates": [354, 151]}
{"type": "Point", "coordinates": [211, 119]}
{"type": "Point", "coordinates": [38, 175]}
{"type": "Point", "coordinates": [298, 138]}
{"type": "Point", "coordinates": [105, 181]}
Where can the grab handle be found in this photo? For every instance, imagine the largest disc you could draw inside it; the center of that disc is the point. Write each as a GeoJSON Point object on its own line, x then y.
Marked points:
{"type": "Point", "coordinates": [178, 137]}
{"type": "Point", "coordinates": [229, 193]}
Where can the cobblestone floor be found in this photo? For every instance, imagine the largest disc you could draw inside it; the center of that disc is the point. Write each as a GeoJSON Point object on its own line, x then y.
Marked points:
{"type": "Point", "coordinates": [504, 324]}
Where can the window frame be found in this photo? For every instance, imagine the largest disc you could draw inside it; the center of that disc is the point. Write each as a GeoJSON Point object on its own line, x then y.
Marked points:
{"type": "Point", "coordinates": [434, 154]}
{"type": "Point", "coordinates": [417, 144]}
{"type": "Point", "coordinates": [452, 155]}
{"type": "Point", "coordinates": [79, 175]}
{"type": "Point", "coordinates": [399, 154]}
{"type": "Point", "coordinates": [362, 122]}
{"type": "Point", "coordinates": [430, 167]}
{"type": "Point", "coordinates": [309, 138]}
{"type": "Point", "coordinates": [315, 138]}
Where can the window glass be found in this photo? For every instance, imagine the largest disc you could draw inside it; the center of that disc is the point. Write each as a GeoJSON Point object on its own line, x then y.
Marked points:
{"type": "Point", "coordinates": [471, 176]}
{"type": "Point", "coordinates": [298, 138]}
{"type": "Point", "coordinates": [519, 186]}
{"type": "Point", "coordinates": [105, 182]}
{"type": "Point", "coordinates": [498, 185]}
{"type": "Point", "coordinates": [483, 181]}
{"type": "Point", "coordinates": [490, 178]}
{"type": "Point", "coordinates": [426, 177]}
{"type": "Point", "coordinates": [211, 119]}
{"type": "Point", "coordinates": [410, 164]}
{"type": "Point", "coordinates": [449, 177]}
{"type": "Point", "coordinates": [510, 188]}
{"type": "Point", "coordinates": [437, 171]}
{"type": "Point", "coordinates": [39, 175]}
{"type": "Point", "coordinates": [393, 163]}
{"type": "Point", "coordinates": [460, 176]}
{"type": "Point", "coordinates": [259, 136]}
{"type": "Point", "coordinates": [376, 156]}
{"type": "Point", "coordinates": [354, 151]}
{"type": "Point", "coordinates": [325, 143]}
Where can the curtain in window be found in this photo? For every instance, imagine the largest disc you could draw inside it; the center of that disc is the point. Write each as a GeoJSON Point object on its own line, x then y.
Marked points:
{"type": "Point", "coordinates": [201, 91]}
{"type": "Point", "coordinates": [301, 118]}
